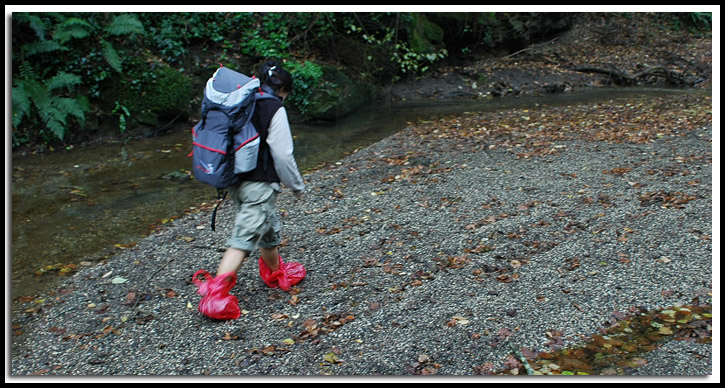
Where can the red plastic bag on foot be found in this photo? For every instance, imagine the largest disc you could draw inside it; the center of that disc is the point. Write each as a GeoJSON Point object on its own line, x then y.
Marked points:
{"type": "Point", "coordinates": [288, 274]}
{"type": "Point", "coordinates": [216, 302]}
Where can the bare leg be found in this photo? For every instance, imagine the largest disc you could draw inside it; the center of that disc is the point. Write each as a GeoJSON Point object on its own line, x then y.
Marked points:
{"type": "Point", "coordinates": [270, 257]}
{"type": "Point", "coordinates": [232, 260]}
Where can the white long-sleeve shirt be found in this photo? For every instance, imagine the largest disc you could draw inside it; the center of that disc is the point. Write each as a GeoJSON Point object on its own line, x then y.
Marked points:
{"type": "Point", "coordinates": [281, 147]}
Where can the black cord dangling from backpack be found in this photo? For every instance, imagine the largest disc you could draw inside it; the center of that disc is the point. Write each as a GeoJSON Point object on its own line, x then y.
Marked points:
{"type": "Point", "coordinates": [221, 194]}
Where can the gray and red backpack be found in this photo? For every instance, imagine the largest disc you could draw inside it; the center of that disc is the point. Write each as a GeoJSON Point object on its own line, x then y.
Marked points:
{"type": "Point", "coordinates": [225, 142]}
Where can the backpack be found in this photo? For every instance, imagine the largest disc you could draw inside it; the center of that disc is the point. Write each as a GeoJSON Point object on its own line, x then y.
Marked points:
{"type": "Point", "coordinates": [225, 142]}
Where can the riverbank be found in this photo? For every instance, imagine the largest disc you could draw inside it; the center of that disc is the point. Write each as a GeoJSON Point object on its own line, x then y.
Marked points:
{"type": "Point", "coordinates": [598, 50]}
{"type": "Point", "coordinates": [442, 249]}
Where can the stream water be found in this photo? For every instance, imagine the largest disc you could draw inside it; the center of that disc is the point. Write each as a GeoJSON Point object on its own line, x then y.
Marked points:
{"type": "Point", "coordinates": [78, 206]}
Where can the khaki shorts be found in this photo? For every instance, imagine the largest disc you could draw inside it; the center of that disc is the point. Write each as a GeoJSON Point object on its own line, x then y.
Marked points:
{"type": "Point", "coordinates": [256, 222]}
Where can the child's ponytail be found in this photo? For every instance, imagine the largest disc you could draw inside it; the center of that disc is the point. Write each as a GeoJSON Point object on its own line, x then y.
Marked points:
{"type": "Point", "coordinates": [273, 75]}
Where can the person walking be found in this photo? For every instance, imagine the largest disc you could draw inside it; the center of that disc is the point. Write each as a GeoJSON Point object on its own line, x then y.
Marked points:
{"type": "Point", "coordinates": [256, 223]}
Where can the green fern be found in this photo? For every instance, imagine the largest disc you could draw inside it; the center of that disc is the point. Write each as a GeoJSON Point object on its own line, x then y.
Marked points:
{"type": "Point", "coordinates": [21, 103]}
{"type": "Point", "coordinates": [72, 28]}
{"type": "Point", "coordinates": [42, 47]}
{"type": "Point", "coordinates": [126, 24]}
{"type": "Point", "coordinates": [35, 22]}
{"type": "Point", "coordinates": [63, 80]}
{"type": "Point", "coordinates": [26, 70]}
{"type": "Point", "coordinates": [49, 105]}
{"type": "Point", "coordinates": [52, 109]}
{"type": "Point", "coordinates": [110, 55]}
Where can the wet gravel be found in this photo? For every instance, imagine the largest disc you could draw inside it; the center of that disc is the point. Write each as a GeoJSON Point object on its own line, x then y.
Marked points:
{"type": "Point", "coordinates": [421, 259]}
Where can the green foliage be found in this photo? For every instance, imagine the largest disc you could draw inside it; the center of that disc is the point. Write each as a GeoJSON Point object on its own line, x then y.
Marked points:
{"type": "Point", "coordinates": [411, 62]}
{"type": "Point", "coordinates": [51, 106]}
{"type": "Point", "coordinates": [701, 19]}
{"type": "Point", "coordinates": [142, 61]}
{"type": "Point", "coordinates": [123, 114]}
{"type": "Point", "coordinates": [65, 45]}
{"type": "Point", "coordinates": [133, 65]}
{"type": "Point", "coordinates": [126, 24]}
{"type": "Point", "coordinates": [269, 38]}
{"type": "Point", "coordinates": [170, 35]}
{"type": "Point", "coordinates": [71, 28]}
{"type": "Point", "coordinates": [695, 22]}
{"type": "Point", "coordinates": [424, 36]}
{"type": "Point", "coordinates": [147, 92]}
{"type": "Point", "coordinates": [111, 55]}
{"type": "Point", "coordinates": [307, 78]}
{"type": "Point", "coordinates": [412, 57]}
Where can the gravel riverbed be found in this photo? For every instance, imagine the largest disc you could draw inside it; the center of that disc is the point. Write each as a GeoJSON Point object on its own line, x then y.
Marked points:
{"type": "Point", "coordinates": [437, 250]}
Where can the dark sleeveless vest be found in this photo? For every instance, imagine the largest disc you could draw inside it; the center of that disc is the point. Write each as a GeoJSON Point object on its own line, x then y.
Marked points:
{"type": "Point", "coordinates": [263, 113]}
